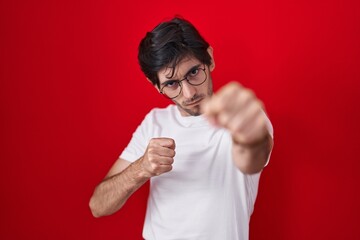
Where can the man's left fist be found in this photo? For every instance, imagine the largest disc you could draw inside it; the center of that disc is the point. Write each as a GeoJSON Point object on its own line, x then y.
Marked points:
{"type": "Point", "coordinates": [240, 111]}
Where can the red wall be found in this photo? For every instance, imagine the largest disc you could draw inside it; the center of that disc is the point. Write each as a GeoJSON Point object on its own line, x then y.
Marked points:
{"type": "Point", "coordinates": [71, 94]}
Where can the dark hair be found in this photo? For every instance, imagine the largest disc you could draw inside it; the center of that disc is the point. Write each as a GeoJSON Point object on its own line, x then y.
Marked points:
{"type": "Point", "coordinates": [169, 43]}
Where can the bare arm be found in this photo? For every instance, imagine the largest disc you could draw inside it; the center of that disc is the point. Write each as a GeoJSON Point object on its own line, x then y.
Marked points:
{"type": "Point", "coordinates": [111, 194]}
{"type": "Point", "coordinates": [124, 178]}
{"type": "Point", "coordinates": [252, 158]}
{"type": "Point", "coordinates": [237, 109]}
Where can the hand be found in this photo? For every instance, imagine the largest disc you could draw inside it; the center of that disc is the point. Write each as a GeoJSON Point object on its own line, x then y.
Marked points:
{"type": "Point", "coordinates": [237, 109]}
{"type": "Point", "coordinates": [159, 156]}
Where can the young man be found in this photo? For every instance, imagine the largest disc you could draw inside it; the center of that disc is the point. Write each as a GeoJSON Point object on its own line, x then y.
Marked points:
{"type": "Point", "coordinates": [203, 155]}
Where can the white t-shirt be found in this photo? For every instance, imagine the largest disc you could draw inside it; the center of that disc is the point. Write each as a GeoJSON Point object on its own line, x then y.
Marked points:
{"type": "Point", "coordinates": [204, 197]}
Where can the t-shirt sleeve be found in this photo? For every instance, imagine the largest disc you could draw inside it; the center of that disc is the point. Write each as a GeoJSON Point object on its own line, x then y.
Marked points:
{"type": "Point", "coordinates": [139, 141]}
{"type": "Point", "coordinates": [252, 185]}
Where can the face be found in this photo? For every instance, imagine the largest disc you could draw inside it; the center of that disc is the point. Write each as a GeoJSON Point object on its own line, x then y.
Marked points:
{"type": "Point", "coordinates": [191, 97]}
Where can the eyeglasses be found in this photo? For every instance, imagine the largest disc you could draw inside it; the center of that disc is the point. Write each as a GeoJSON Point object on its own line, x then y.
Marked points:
{"type": "Point", "coordinates": [195, 77]}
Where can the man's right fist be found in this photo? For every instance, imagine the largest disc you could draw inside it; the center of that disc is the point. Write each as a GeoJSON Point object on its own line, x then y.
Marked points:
{"type": "Point", "coordinates": [159, 156]}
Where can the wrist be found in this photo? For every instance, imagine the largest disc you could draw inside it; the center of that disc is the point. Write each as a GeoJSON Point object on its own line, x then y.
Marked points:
{"type": "Point", "coordinates": [251, 145]}
{"type": "Point", "coordinates": [139, 170]}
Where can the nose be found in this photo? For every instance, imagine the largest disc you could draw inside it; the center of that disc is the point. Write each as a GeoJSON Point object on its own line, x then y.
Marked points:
{"type": "Point", "coordinates": [188, 90]}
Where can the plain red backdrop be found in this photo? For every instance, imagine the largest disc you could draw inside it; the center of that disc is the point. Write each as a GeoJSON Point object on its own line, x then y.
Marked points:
{"type": "Point", "coordinates": [71, 94]}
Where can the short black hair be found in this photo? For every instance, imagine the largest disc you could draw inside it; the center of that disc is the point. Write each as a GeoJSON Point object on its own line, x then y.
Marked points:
{"type": "Point", "coordinates": [169, 43]}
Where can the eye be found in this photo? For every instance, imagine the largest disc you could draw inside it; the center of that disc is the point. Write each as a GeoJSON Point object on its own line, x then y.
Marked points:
{"type": "Point", "coordinates": [172, 84]}
{"type": "Point", "coordinates": [194, 72]}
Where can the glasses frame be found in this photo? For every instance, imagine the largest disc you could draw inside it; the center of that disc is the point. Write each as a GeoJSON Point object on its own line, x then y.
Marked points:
{"type": "Point", "coordinates": [180, 83]}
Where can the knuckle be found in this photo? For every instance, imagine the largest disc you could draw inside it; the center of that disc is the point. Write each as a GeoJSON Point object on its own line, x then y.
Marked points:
{"type": "Point", "coordinates": [221, 103]}
{"type": "Point", "coordinates": [151, 158]}
{"type": "Point", "coordinates": [151, 143]}
{"type": "Point", "coordinates": [249, 94]}
{"type": "Point", "coordinates": [258, 112]}
{"type": "Point", "coordinates": [154, 167]}
{"type": "Point", "coordinates": [224, 119]}
{"type": "Point", "coordinates": [261, 121]}
{"type": "Point", "coordinates": [236, 84]}
{"type": "Point", "coordinates": [232, 87]}
{"type": "Point", "coordinates": [235, 88]}
{"type": "Point", "coordinates": [151, 150]}
{"type": "Point", "coordinates": [253, 108]}
{"type": "Point", "coordinates": [173, 153]}
{"type": "Point", "coordinates": [237, 127]}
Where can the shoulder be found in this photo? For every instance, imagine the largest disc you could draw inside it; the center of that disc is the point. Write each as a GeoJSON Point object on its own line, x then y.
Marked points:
{"type": "Point", "coordinates": [158, 119]}
{"type": "Point", "coordinates": [162, 113]}
{"type": "Point", "coordinates": [159, 116]}
{"type": "Point", "coordinates": [167, 110]}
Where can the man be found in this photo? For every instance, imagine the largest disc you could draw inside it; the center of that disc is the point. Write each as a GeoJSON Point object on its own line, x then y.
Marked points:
{"type": "Point", "coordinates": [203, 155]}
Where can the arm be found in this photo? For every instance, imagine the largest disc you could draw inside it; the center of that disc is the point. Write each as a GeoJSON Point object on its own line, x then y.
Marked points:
{"type": "Point", "coordinates": [124, 178]}
{"type": "Point", "coordinates": [237, 109]}
{"type": "Point", "coordinates": [252, 158]}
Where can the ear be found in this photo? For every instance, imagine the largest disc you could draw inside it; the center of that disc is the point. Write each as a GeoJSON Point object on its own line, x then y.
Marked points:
{"type": "Point", "coordinates": [156, 87]}
{"type": "Point", "coordinates": [210, 50]}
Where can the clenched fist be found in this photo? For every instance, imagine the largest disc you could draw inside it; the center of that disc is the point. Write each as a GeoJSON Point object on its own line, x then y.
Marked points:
{"type": "Point", "coordinates": [237, 109]}
{"type": "Point", "coordinates": [159, 156]}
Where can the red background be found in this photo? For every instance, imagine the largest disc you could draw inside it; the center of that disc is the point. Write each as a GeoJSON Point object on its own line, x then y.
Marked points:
{"type": "Point", "coordinates": [71, 94]}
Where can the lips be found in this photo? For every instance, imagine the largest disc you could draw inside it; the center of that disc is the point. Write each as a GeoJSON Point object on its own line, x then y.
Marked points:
{"type": "Point", "coordinates": [193, 103]}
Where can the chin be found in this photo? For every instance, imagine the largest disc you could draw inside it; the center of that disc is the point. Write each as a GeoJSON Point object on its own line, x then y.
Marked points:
{"type": "Point", "coordinates": [192, 111]}
{"type": "Point", "coordinates": [195, 111]}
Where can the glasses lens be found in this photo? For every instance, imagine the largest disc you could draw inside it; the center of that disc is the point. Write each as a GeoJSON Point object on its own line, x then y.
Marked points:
{"type": "Point", "coordinates": [197, 77]}
{"type": "Point", "coordinates": [172, 90]}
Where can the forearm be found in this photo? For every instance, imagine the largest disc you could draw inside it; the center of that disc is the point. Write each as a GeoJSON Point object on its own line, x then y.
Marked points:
{"type": "Point", "coordinates": [252, 158]}
{"type": "Point", "coordinates": [111, 194]}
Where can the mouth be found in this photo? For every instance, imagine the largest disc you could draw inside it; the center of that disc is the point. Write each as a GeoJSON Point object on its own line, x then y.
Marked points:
{"type": "Point", "coordinates": [196, 102]}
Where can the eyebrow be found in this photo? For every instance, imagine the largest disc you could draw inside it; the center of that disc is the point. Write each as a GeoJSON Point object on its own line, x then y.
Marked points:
{"type": "Point", "coordinates": [186, 74]}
